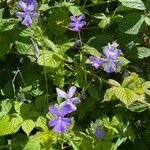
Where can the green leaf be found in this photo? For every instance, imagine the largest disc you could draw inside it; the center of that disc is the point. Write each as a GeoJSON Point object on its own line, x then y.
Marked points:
{"type": "Point", "coordinates": [110, 94]}
{"type": "Point", "coordinates": [44, 7]}
{"type": "Point", "coordinates": [107, 145]}
{"type": "Point", "coordinates": [105, 22]}
{"type": "Point", "coordinates": [47, 59]}
{"type": "Point", "coordinates": [75, 10]}
{"type": "Point", "coordinates": [113, 82]}
{"type": "Point", "coordinates": [143, 52]}
{"type": "Point", "coordinates": [41, 138]}
{"type": "Point", "coordinates": [147, 20]}
{"type": "Point", "coordinates": [87, 142]}
{"type": "Point", "coordinates": [136, 4]}
{"type": "Point", "coordinates": [42, 122]}
{"type": "Point", "coordinates": [6, 40]}
{"type": "Point", "coordinates": [23, 47]}
{"type": "Point", "coordinates": [28, 126]}
{"type": "Point", "coordinates": [138, 107]}
{"type": "Point", "coordinates": [58, 22]}
{"type": "Point", "coordinates": [5, 107]}
{"type": "Point", "coordinates": [32, 144]}
{"type": "Point", "coordinates": [131, 23]}
{"type": "Point", "coordinates": [10, 125]}
{"type": "Point", "coordinates": [126, 95]}
{"type": "Point", "coordinates": [91, 50]}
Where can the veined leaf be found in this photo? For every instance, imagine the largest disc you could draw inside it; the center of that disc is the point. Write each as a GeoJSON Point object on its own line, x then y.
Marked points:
{"type": "Point", "coordinates": [113, 82]}
{"type": "Point", "coordinates": [136, 4]}
{"type": "Point", "coordinates": [50, 44]}
{"type": "Point", "coordinates": [47, 59]}
{"type": "Point", "coordinates": [28, 126]}
{"type": "Point", "coordinates": [143, 52]}
{"type": "Point", "coordinates": [126, 95]}
{"type": "Point", "coordinates": [131, 23]}
{"type": "Point", "coordinates": [75, 10]}
{"type": "Point", "coordinates": [5, 107]}
{"type": "Point", "coordinates": [110, 93]}
{"type": "Point", "coordinates": [10, 125]}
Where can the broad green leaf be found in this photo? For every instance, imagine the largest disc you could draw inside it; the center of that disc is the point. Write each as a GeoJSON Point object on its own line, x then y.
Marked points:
{"type": "Point", "coordinates": [28, 126]}
{"type": "Point", "coordinates": [87, 142]}
{"type": "Point", "coordinates": [143, 52]}
{"type": "Point", "coordinates": [136, 4]}
{"type": "Point", "coordinates": [42, 123]}
{"type": "Point", "coordinates": [113, 82]}
{"type": "Point", "coordinates": [44, 7]}
{"type": "Point", "coordinates": [6, 40]}
{"type": "Point", "coordinates": [126, 95]}
{"type": "Point", "coordinates": [146, 87]}
{"type": "Point", "coordinates": [75, 10]}
{"type": "Point", "coordinates": [138, 107]}
{"type": "Point", "coordinates": [107, 145]}
{"type": "Point", "coordinates": [10, 125]}
{"type": "Point", "coordinates": [32, 144]}
{"type": "Point", "coordinates": [50, 44]}
{"type": "Point", "coordinates": [91, 50]}
{"type": "Point", "coordinates": [147, 20]}
{"type": "Point", "coordinates": [5, 107]}
{"type": "Point", "coordinates": [57, 22]}
{"type": "Point", "coordinates": [131, 23]}
{"type": "Point", "coordinates": [47, 59]}
{"type": "Point", "coordinates": [119, 142]}
{"type": "Point", "coordinates": [41, 138]}
{"type": "Point", "coordinates": [110, 94]}
{"type": "Point", "coordinates": [24, 47]}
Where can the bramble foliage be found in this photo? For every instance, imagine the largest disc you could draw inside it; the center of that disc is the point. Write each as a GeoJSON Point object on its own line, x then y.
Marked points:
{"type": "Point", "coordinates": [88, 61]}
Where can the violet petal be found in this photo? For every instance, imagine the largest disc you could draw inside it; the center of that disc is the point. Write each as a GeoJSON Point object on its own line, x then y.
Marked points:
{"type": "Point", "coordinates": [53, 109]}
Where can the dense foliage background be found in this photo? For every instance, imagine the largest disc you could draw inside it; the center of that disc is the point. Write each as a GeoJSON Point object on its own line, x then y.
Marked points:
{"type": "Point", "coordinates": [48, 54]}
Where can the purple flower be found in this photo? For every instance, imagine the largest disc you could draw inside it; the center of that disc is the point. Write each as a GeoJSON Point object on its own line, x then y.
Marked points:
{"type": "Point", "coordinates": [96, 61]}
{"type": "Point", "coordinates": [111, 51]}
{"type": "Point", "coordinates": [110, 64]}
{"type": "Point", "coordinates": [98, 131]}
{"type": "Point", "coordinates": [77, 22]}
{"type": "Point", "coordinates": [28, 12]}
{"type": "Point", "coordinates": [31, 2]}
{"type": "Point", "coordinates": [59, 123]}
{"type": "Point", "coordinates": [68, 97]}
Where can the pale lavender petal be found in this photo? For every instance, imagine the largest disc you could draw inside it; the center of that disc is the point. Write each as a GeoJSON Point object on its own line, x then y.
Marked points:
{"type": "Point", "coordinates": [66, 120]}
{"type": "Point", "coordinates": [81, 17]}
{"type": "Point", "coordinates": [64, 109]}
{"type": "Point", "coordinates": [53, 109]}
{"type": "Point", "coordinates": [77, 27]}
{"type": "Point", "coordinates": [71, 91]}
{"type": "Point", "coordinates": [61, 93]}
{"type": "Point", "coordinates": [110, 67]}
{"type": "Point", "coordinates": [99, 133]}
{"type": "Point", "coordinates": [33, 14]}
{"type": "Point", "coordinates": [27, 20]}
{"type": "Point", "coordinates": [73, 18]}
{"type": "Point", "coordinates": [53, 122]}
{"type": "Point", "coordinates": [72, 24]}
{"type": "Point", "coordinates": [31, 7]}
{"type": "Point", "coordinates": [91, 58]}
{"type": "Point", "coordinates": [117, 52]}
{"type": "Point", "coordinates": [68, 102]}
{"type": "Point", "coordinates": [60, 127]}
{"type": "Point", "coordinates": [106, 52]}
{"type": "Point", "coordinates": [22, 5]}
{"type": "Point", "coordinates": [20, 14]}
{"type": "Point", "coordinates": [116, 61]}
{"type": "Point", "coordinates": [75, 100]}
